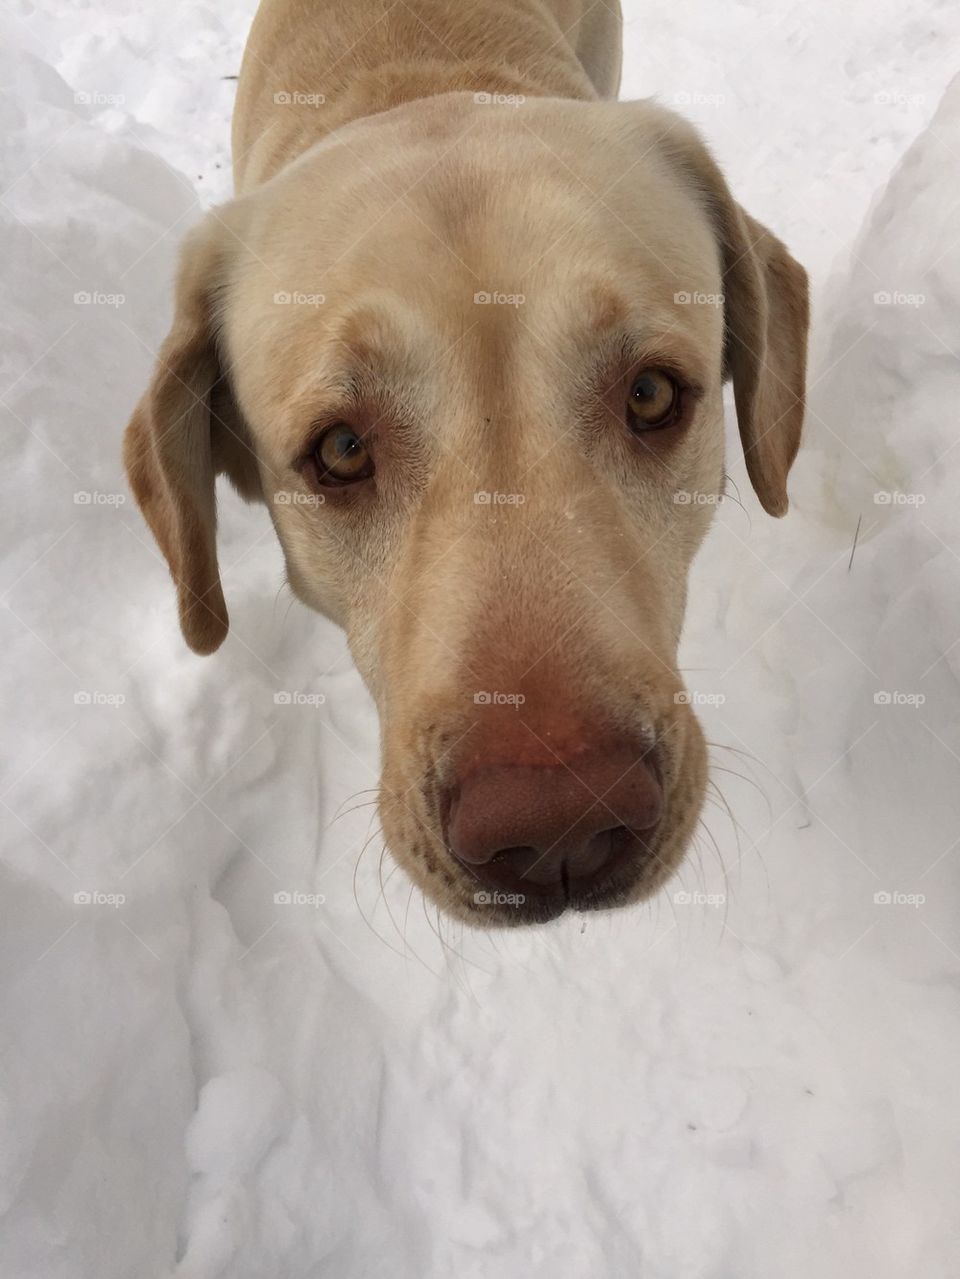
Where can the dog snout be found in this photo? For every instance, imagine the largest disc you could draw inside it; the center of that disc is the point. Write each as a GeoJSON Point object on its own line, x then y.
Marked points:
{"type": "Point", "coordinates": [557, 826]}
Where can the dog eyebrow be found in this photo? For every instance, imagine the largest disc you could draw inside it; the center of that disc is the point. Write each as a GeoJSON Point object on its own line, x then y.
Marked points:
{"type": "Point", "coordinates": [366, 395]}
{"type": "Point", "coordinates": [655, 344]}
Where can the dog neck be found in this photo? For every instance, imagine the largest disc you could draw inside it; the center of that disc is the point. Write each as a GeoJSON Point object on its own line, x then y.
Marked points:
{"type": "Point", "coordinates": [368, 69]}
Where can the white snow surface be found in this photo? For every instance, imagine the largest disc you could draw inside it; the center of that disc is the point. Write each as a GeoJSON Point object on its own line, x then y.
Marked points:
{"type": "Point", "coordinates": [756, 1079]}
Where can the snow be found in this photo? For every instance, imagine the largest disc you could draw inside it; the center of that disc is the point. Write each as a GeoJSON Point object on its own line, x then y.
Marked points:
{"type": "Point", "coordinates": [754, 1074]}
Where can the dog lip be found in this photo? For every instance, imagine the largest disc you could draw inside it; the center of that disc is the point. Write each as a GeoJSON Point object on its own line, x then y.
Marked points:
{"type": "Point", "coordinates": [539, 910]}
{"type": "Point", "coordinates": [623, 874]}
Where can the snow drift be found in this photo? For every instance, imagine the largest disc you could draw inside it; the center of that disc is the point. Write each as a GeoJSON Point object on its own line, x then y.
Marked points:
{"type": "Point", "coordinates": [233, 1043]}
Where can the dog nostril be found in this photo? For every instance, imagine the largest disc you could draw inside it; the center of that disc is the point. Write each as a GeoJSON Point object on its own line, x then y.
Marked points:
{"type": "Point", "coordinates": [572, 864]}
{"type": "Point", "coordinates": [512, 854]}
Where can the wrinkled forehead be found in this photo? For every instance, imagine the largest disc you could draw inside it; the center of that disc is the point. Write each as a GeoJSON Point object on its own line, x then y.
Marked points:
{"type": "Point", "coordinates": [449, 274]}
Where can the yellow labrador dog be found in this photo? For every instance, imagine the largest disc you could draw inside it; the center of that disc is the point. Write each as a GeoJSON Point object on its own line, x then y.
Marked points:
{"type": "Point", "coordinates": [465, 329]}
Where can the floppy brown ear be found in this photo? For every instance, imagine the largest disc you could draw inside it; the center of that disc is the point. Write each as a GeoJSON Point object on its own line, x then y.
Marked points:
{"type": "Point", "coordinates": [767, 317]}
{"type": "Point", "coordinates": [184, 431]}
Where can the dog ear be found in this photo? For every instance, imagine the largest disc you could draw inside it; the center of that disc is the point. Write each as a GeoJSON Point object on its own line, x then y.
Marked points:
{"type": "Point", "coordinates": [767, 316]}
{"type": "Point", "coordinates": [186, 430]}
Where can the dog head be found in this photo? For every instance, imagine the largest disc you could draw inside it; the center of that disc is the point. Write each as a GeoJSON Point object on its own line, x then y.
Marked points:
{"type": "Point", "coordinates": [472, 359]}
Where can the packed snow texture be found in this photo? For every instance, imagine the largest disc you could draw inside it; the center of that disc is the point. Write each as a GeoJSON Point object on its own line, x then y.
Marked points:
{"type": "Point", "coordinates": [754, 1075]}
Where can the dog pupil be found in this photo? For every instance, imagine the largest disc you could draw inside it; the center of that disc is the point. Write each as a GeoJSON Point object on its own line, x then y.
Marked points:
{"type": "Point", "coordinates": [645, 389]}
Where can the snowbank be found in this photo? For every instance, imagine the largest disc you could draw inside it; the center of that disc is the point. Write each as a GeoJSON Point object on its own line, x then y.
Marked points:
{"type": "Point", "coordinates": [226, 1052]}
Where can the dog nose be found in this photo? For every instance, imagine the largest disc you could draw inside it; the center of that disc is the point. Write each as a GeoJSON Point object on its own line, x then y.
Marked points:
{"type": "Point", "coordinates": [566, 825]}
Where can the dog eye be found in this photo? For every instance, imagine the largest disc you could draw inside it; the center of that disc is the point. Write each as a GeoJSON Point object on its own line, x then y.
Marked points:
{"type": "Point", "coordinates": [654, 401]}
{"type": "Point", "coordinates": [341, 456]}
